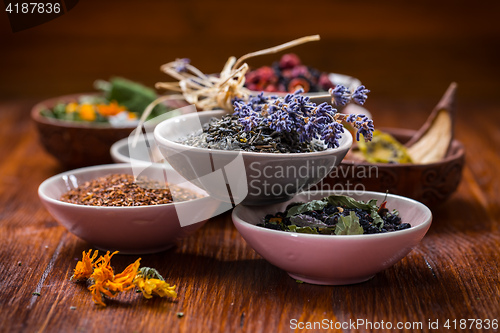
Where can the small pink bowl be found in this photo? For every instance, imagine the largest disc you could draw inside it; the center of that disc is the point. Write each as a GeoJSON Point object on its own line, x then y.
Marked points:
{"type": "Point", "coordinates": [332, 259]}
{"type": "Point", "coordinates": [132, 230]}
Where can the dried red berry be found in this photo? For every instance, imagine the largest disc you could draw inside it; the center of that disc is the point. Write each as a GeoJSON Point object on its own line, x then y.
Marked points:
{"type": "Point", "coordinates": [289, 60]}
{"type": "Point", "coordinates": [298, 83]}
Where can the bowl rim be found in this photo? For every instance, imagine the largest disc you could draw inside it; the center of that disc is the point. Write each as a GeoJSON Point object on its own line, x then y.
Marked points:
{"type": "Point", "coordinates": [425, 225]}
{"type": "Point", "coordinates": [345, 145]}
{"type": "Point", "coordinates": [455, 152]}
{"type": "Point", "coordinates": [42, 188]}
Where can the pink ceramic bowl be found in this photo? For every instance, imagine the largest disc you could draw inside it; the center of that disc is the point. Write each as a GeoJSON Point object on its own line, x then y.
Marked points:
{"type": "Point", "coordinates": [332, 259]}
{"type": "Point", "coordinates": [140, 229]}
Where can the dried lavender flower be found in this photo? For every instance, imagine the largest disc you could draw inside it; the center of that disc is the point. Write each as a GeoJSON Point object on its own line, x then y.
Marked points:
{"type": "Point", "coordinates": [359, 96]}
{"type": "Point", "coordinates": [180, 64]}
{"type": "Point", "coordinates": [341, 95]}
{"type": "Point", "coordinates": [294, 113]}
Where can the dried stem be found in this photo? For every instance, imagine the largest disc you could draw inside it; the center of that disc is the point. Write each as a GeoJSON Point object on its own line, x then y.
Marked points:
{"type": "Point", "coordinates": [278, 48]}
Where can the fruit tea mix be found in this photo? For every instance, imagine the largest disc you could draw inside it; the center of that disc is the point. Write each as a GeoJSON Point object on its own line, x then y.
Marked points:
{"type": "Point", "coordinates": [123, 190]}
{"type": "Point", "coordinates": [336, 215]}
{"type": "Point", "coordinates": [288, 75]}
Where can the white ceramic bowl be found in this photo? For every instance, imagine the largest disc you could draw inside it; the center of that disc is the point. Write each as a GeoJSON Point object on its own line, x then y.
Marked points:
{"type": "Point", "coordinates": [140, 229]}
{"type": "Point", "coordinates": [146, 154]}
{"type": "Point", "coordinates": [252, 178]}
{"type": "Point", "coordinates": [333, 259]}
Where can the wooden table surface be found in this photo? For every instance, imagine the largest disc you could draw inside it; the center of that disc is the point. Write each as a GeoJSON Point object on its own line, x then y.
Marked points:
{"type": "Point", "coordinates": [223, 285]}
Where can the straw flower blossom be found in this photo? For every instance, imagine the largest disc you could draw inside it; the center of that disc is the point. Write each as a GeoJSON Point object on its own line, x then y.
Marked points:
{"type": "Point", "coordinates": [104, 282]}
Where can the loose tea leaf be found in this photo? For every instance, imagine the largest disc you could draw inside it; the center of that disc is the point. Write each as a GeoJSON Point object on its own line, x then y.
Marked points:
{"type": "Point", "coordinates": [349, 225]}
{"type": "Point", "coordinates": [307, 207]}
{"type": "Point", "coordinates": [348, 202]}
{"type": "Point", "coordinates": [124, 190]}
{"type": "Point", "coordinates": [302, 220]}
{"type": "Point", "coordinates": [302, 230]}
{"type": "Point", "coordinates": [336, 215]}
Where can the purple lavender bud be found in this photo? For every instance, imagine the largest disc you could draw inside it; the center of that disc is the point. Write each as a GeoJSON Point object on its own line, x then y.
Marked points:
{"type": "Point", "coordinates": [360, 95]}
{"type": "Point", "coordinates": [280, 121]}
{"type": "Point", "coordinates": [340, 95]}
{"type": "Point", "coordinates": [351, 118]}
{"type": "Point", "coordinates": [331, 134]}
{"type": "Point", "coordinates": [249, 122]}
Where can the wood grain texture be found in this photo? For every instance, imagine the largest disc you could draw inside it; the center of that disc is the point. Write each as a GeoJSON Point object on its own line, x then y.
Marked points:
{"type": "Point", "coordinates": [223, 285]}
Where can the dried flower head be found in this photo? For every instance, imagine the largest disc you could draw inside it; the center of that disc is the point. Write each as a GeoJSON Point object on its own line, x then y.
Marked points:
{"type": "Point", "coordinates": [296, 113]}
{"type": "Point", "coordinates": [150, 283]}
{"type": "Point", "coordinates": [341, 95]}
{"type": "Point", "coordinates": [104, 282]}
{"type": "Point", "coordinates": [85, 267]}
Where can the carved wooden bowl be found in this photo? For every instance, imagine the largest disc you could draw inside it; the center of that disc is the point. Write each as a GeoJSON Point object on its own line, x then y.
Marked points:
{"type": "Point", "coordinates": [430, 184]}
{"type": "Point", "coordinates": [78, 144]}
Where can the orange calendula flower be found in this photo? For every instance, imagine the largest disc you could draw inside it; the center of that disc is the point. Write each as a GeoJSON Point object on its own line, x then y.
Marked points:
{"type": "Point", "coordinates": [105, 282]}
{"type": "Point", "coordinates": [87, 112]}
{"type": "Point", "coordinates": [112, 109]}
{"type": "Point", "coordinates": [85, 267]}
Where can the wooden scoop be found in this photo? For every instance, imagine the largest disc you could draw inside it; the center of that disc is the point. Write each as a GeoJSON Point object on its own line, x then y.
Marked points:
{"type": "Point", "coordinates": [432, 141]}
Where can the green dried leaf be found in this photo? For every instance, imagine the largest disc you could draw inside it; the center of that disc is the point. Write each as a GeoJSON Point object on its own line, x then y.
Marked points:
{"type": "Point", "coordinates": [348, 202]}
{"type": "Point", "coordinates": [302, 230]}
{"type": "Point", "coordinates": [349, 225]}
{"type": "Point", "coordinates": [327, 231]}
{"type": "Point", "coordinates": [307, 207]}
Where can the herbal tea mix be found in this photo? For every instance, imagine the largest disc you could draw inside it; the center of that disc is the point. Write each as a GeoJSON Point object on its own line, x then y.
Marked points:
{"type": "Point", "coordinates": [290, 124]}
{"type": "Point", "coordinates": [124, 190]}
{"type": "Point", "coordinates": [336, 215]}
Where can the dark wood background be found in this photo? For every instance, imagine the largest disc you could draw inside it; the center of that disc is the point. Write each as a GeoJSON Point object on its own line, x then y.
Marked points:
{"type": "Point", "coordinates": [406, 53]}
{"type": "Point", "coordinates": [398, 49]}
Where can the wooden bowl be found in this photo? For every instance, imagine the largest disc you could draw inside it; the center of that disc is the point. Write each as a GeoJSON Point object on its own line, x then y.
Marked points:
{"type": "Point", "coordinates": [77, 144]}
{"type": "Point", "coordinates": [430, 184]}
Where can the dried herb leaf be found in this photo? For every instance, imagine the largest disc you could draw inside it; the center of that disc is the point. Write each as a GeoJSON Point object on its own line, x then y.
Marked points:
{"type": "Point", "coordinates": [307, 207]}
{"type": "Point", "coordinates": [348, 202]}
{"type": "Point", "coordinates": [383, 148]}
{"type": "Point", "coordinates": [303, 220]}
{"type": "Point", "coordinates": [302, 230]}
{"type": "Point", "coordinates": [349, 225]}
